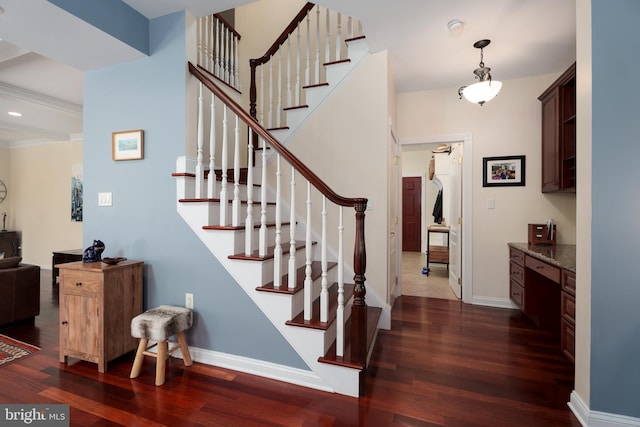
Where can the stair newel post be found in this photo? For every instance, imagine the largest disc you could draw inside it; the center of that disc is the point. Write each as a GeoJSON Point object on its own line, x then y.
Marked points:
{"type": "Point", "coordinates": [262, 244]}
{"type": "Point", "coordinates": [212, 181]}
{"type": "Point", "coordinates": [308, 282]}
{"type": "Point", "coordinates": [252, 90]}
{"type": "Point", "coordinates": [224, 197]}
{"type": "Point", "coordinates": [340, 311]}
{"type": "Point", "coordinates": [235, 216]}
{"type": "Point", "coordinates": [248, 225]}
{"type": "Point", "coordinates": [200, 157]}
{"type": "Point", "coordinates": [277, 253]}
{"type": "Point", "coordinates": [292, 232]}
{"type": "Point", "coordinates": [359, 307]}
{"type": "Point", "coordinates": [324, 287]}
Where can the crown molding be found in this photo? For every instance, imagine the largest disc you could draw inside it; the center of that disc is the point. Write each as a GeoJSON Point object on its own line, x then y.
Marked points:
{"type": "Point", "coordinates": [40, 99]}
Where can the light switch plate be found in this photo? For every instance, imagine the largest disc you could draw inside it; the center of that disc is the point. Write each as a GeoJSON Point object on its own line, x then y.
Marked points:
{"type": "Point", "coordinates": [105, 199]}
{"type": "Point", "coordinates": [491, 203]}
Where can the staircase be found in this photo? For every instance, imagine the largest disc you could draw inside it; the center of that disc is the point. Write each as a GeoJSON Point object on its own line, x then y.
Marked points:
{"type": "Point", "coordinates": [279, 230]}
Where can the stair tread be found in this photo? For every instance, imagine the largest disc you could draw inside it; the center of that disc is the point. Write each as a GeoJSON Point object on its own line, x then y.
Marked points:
{"type": "Point", "coordinates": [255, 256]}
{"type": "Point", "coordinates": [314, 322]}
{"type": "Point", "coordinates": [341, 61]}
{"type": "Point", "coordinates": [295, 107]}
{"type": "Point", "coordinates": [217, 200]}
{"type": "Point", "coordinates": [316, 272]}
{"type": "Point", "coordinates": [373, 315]}
{"type": "Point", "coordinates": [315, 85]}
{"type": "Point", "coordinates": [240, 227]}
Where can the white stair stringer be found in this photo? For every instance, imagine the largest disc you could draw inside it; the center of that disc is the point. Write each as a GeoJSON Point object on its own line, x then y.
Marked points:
{"type": "Point", "coordinates": [309, 343]}
{"type": "Point", "coordinates": [336, 73]}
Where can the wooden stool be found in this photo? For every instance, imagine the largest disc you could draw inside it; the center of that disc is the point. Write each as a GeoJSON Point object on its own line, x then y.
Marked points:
{"type": "Point", "coordinates": [159, 324]}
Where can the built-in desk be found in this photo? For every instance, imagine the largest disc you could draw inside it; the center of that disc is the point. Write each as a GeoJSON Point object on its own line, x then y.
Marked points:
{"type": "Point", "coordinates": [542, 283]}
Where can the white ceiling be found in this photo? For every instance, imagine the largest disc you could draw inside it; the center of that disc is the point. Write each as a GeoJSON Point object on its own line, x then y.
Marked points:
{"type": "Point", "coordinates": [529, 37]}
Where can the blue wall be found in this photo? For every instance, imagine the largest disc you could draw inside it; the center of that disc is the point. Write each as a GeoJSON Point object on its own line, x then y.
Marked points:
{"type": "Point", "coordinates": [615, 280]}
{"type": "Point", "coordinates": [114, 17]}
{"type": "Point", "coordinates": [143, 224]}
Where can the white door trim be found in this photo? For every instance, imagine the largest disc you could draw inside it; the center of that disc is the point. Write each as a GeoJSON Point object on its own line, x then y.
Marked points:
{"type": "Point", "coordinates": [467, 205]}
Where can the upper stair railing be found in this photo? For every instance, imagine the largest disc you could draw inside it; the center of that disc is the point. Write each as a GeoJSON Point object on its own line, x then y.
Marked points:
{"type": "Point", "coordinates": [330, 209]}
{"type": "Point", "coordinates": [315, 37]}
{"type": "Point", "coordinates": [218, 49]}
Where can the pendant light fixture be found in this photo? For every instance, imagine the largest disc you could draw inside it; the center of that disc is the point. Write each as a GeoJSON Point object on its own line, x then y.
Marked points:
{"type": "Point", "coordinates": [486, 88]}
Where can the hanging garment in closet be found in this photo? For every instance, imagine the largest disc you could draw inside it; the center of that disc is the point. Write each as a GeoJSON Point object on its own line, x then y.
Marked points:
{"type": "Point", "coordinates": [437, 209]}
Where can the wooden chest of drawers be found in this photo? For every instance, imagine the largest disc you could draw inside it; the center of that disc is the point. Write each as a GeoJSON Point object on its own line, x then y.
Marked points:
{"type": "Point", "coordinates": [97, 303]}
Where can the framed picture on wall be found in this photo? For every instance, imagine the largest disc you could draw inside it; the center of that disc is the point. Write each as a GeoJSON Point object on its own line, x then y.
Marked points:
{"type": "Point", "coordinates": [127, 145]}
{"type": "Point", "coordinates": [505, 171]}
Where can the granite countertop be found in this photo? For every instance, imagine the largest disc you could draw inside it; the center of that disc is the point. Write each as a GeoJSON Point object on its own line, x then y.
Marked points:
{"type": "Point", "coordinates": [563, 256]}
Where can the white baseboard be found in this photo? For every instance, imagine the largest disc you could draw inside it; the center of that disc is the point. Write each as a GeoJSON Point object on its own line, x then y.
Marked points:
{"type": "Point", "coordinates": [257, 367]}
{"type": "Point", "coordinates": [590, 418]}
{"type": "Point", "coordinates": [494, 302]}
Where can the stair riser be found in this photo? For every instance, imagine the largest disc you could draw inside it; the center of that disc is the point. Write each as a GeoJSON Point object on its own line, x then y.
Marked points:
{"type": "Point", "coordinates": [186, 189]}
{"type": "Point", "coordinates": [298, 299]}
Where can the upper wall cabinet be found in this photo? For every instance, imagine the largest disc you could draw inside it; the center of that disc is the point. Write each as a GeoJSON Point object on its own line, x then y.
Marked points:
{"type": "Point", "coordinates": [559, 134]}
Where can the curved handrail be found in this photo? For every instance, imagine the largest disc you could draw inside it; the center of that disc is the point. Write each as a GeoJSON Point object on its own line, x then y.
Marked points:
{"type": "Point", "coordinates": [262, 132]}
{"type": "Point", "coordinates": [285, 34]}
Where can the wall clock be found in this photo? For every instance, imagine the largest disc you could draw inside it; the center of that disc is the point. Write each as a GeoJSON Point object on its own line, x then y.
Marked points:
{"type": "Point", "coordinates": [3, 191]}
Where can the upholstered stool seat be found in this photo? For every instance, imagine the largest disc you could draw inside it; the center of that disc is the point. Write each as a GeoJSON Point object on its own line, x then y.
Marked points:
{"type": "Point", "coordinates": [159, 324]}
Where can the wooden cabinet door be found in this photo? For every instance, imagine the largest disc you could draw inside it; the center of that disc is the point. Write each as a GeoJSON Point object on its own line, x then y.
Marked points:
{"type": "Point", "coordinates": [550, 143]}
{"type": "Point", "coordinates": [81, 330]}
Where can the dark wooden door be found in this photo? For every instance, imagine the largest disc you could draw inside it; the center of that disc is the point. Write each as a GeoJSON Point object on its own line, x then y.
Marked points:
{"type": "Point", "coordinates": [411, 213]}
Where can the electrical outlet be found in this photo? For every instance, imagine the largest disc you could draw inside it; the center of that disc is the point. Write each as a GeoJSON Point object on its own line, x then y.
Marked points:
{"type": "Point", "coordinates": [188, 300]}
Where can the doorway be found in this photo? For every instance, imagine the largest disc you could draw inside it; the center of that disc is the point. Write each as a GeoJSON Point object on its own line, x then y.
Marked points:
{"type": "Point", "coordinates": [457, 284]}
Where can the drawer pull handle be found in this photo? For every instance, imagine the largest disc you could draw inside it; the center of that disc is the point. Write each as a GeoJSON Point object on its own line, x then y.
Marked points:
{"type": "Point", "coordinates": [539, 267]}
{"type": "Point", "coordinates": [78, 283]}
{"type": "Point", "coordinates": [64, 322]}
{"type": "Point", "coordinates": [539, 228]}
{"type": "Point", "coordinates": [539, 236]}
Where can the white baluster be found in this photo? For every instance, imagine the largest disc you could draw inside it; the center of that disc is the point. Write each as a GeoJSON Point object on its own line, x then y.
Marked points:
{"type": "Point", "coordinates": [277, 253]}
{"type": "Point", "coordinates": [278, 111]}
{"type": "Point", "coordinates": [308, 282]}
{"type": "Point", "coordinates": [225, 54]}
{"type": "Point", "coordinates": [340, 311]}
{"type": "Point", "coordinates": [199, 41]}
{"type": "Point", "coordinates": [262, 244]}
{"type": "Point", "coordinates": [217, 44]}
{"type": "Point", "coordinates": [339, 38]}
{"type": "Point", "coordinates": [248, 225]}
{"type": "Point", "coordinates": [200, 158]}
{"type": "Point", "coordinates": [232, 59]}
{"type": "Point", "coordinates": [327, 46]}
{"type": "Point", "coordinates": [317, 61]}
{"type": "Point", "coordinates": [307, 69]}
{"type": "Point", "coordinates": [235, 216]}
{"type": "Point", "coordinates": [212, 181]}
{"type": "Point", "coordinates": [261, 101]}
{"type": "Point", "coordinates": [298, 59]}
{"type": "Point", "coordinates": [324, 290]}
{"type": "Point", "coordinates": [292, 232]}
{"type": "Point", "coordinates": [237, 76]}
{"type": "Point", "coordinates": [224, 197]}
{"type": "Point", "coordinates": [205, 39]}
{"type": "Point", "coordinates": [270, 105]}
{"type": "Point", "coordinates": [289, 99]}
{"type": "Point", "coordinates": [210, 40]}
{"type": "Point", "coordinates": [350, 27]}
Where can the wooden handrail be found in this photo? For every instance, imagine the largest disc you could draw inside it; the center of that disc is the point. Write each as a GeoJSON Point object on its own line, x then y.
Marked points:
{"type": "Point", "coordinates": [285, 34]}
{"type": "Point", "coordinates": [263, 133]}
{"type": "Point", "coordinates": [226, 24]}
{"type": "Point", "coordinates": [254, 63]}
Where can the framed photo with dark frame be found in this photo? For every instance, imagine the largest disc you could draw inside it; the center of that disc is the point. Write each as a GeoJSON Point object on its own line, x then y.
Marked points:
{"type": "Point", "coordinates": [127, 145]}
{"type": "Point", "coordinates": [504, 171]}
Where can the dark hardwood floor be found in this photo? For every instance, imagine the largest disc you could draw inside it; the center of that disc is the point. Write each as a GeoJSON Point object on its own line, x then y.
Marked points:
{"type": "Point", "coordinates": [443, 363]}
